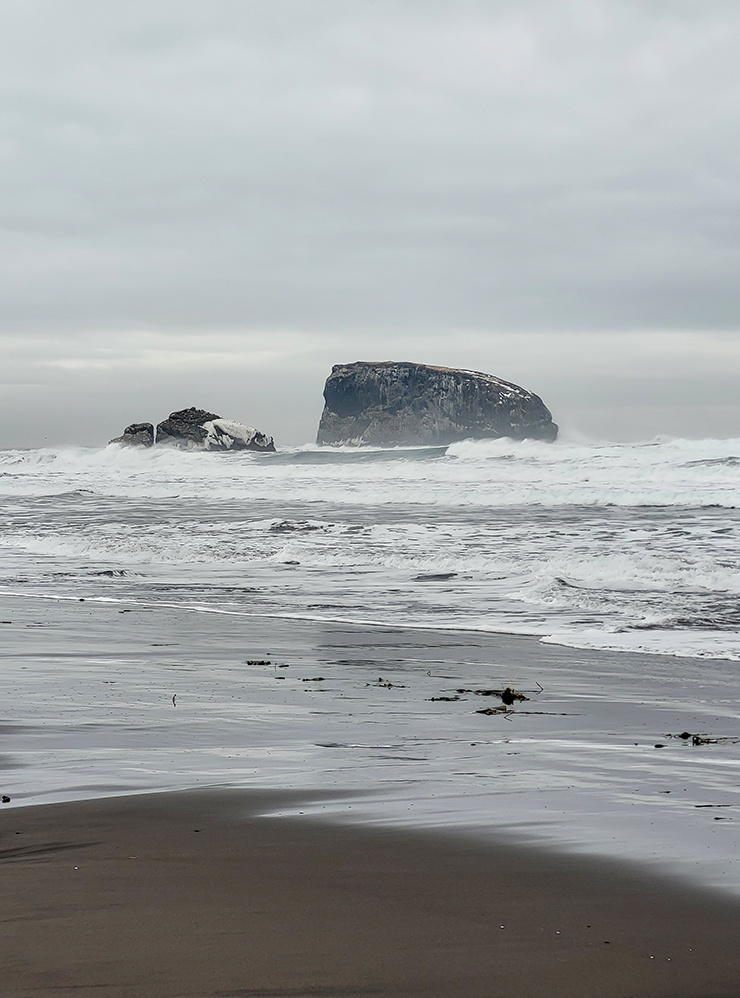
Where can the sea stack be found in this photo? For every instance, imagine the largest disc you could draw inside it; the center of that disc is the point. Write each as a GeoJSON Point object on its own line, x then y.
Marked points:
{"type": "Point", "coordinates": [391, 403]}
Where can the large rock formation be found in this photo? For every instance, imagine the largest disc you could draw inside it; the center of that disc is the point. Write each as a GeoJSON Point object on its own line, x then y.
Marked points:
{"type": "Point", "coordinates": [197, 429]}
{"type": "Point", "coordinates": [388, 404]}
{"type": "Point", "coordinates": [136, 435]}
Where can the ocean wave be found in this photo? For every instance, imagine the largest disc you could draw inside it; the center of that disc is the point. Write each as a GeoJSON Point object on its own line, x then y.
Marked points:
{"type": "Point", "coordinates": [353, 455]}
{"type": "Point", "coordinates": [564, 538]}
{"type": "Point", "coordinates": [491, 474]}
{"type": "Point", "coordinates": [696, 643]}
{"type": "Point", "coordinates": [693, 644]}
{"type": "Point", "coordinates": [731, 461]}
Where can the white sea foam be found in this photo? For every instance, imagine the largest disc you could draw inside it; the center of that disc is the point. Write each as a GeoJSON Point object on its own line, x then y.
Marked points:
{"type": "Point", "coordinates": [478, 473]}
{"type": "Point", "coordinates": [685, 644]}
{"type": "Point", "coordinates": [633, 544]}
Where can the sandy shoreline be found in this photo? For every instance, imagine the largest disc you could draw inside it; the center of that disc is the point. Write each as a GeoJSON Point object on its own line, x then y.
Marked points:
{"type": "Point", "coordinates": [190, 894]}
{"type": "Point", "coordinates": [88, 688]}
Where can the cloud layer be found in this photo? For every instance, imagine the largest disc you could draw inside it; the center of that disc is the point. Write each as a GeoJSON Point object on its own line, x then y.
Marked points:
{"type": "Point", "coordinates": [351, 177]}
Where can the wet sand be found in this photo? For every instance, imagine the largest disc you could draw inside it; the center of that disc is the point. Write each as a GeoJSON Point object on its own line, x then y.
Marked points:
{"type": "Point", "coordinates": [194, 894]}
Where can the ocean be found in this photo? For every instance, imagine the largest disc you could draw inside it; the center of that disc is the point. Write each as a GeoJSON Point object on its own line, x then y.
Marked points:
{"type": "Point", "coordinates": [602, 580]}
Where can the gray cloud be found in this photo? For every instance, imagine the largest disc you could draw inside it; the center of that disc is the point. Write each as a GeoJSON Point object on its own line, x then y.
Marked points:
{"type": "Point", "coordinates": [373, 175]}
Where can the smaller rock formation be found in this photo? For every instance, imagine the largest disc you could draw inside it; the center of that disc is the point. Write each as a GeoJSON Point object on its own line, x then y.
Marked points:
{"type": "Point", "coordinates": [136, 435]}
{"type": "Point", "coordinates": [390, 404]}
{"type": "Point", "coordinates": [198, 429]}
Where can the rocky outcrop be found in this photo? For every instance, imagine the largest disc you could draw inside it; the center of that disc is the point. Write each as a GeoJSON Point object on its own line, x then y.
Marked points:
{"type": "Point", "coordinates": [389, 404]}
{"type": "Point", "coordinates": [136, 435]}
{"type": "Point", "coordinates": [185, 428]}
{"type": "Point", "coordinates": [198, 429]}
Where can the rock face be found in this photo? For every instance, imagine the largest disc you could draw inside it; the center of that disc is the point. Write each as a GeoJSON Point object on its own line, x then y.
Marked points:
{"type": "Point", "coordinates": [136, 435]}
{"type": "Point", "coordinates": [185, 427]}
{"type": "Point", "coordinates": [197, 429]}
{"type": "Point", "coordinates": [389, 404]}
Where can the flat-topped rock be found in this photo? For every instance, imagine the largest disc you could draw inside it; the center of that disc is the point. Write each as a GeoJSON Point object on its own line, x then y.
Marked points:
{"type": "Point", "coordinates": [391, 403]}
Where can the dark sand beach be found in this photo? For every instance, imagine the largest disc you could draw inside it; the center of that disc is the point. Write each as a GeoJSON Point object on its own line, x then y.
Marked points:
{"type": "Point", "coordinates": [194, 894]}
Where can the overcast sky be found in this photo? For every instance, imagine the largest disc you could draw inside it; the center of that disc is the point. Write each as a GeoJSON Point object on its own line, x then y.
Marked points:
{"type": "Point", "coordinates": [209, 203]}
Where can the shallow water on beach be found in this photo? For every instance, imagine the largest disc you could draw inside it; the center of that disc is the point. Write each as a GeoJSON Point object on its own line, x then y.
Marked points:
{"type": "Point", "coordinates": [100, 700]}
{"type": "Point", "coordinates": [128, 578]}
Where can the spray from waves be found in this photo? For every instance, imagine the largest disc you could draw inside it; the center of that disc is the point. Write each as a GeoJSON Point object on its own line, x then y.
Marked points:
{"type": "Point", "coordinates": [493, 473]}
{"type": "Point", "coordinates": [177, 459]}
